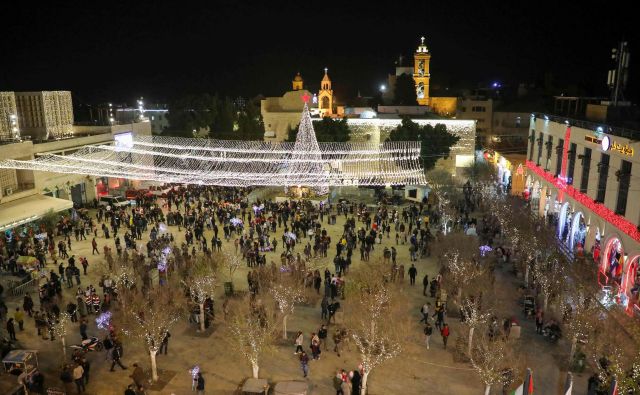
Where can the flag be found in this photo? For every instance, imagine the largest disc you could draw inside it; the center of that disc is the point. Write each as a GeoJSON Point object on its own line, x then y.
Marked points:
{"type": "Point", "coordinates": [568, 387]}
{"type": "Point", "coordinates": [614, 387]}
{"type": "Point", "coordinates": [519, 390]}
{"type": "Point", "coordinates": [528, 383]}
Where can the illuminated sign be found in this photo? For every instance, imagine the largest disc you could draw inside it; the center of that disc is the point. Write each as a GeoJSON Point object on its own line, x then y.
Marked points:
{"type": "Point", "coordinates": [605, 143]}
{"type": "Point", "coordinates": [610, 145]}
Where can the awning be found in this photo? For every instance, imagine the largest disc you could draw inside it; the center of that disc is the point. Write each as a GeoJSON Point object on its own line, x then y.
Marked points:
{"type": "Point", "coordinates": [22, 211]}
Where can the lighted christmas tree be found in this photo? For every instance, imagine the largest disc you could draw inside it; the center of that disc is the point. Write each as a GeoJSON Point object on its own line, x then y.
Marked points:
{"type": "Point", "coordinates": [307, 157]}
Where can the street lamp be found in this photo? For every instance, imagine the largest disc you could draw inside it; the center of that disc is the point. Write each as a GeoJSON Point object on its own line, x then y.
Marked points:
{"type": "Point", "coordinates": [383, 88]}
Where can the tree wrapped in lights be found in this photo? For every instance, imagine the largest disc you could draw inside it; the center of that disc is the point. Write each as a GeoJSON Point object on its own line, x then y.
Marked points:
{"type": "Point", "coordinates": [202, 282]}
{"type": "Point", "coordinates": [374, 317]}
{"type": "Point", "coordinates": [473, 318]}
{"type": "Point", "coordinates": [443, 187]}
{"type": "Point", "coordinates": [307, 155]}
{"type": "Point", "coordinates": [492, 360]}
{"type": "Point", "coordinates": [550, 276]}
{"type": "Point", "coordinates": [230, 262]}
{"type": "Point", "coordinates": [252, 330]}
{"type": "Point", "coordinates": [581, 319]}
{"type": "Point", "coordinates": [60, 329]}
{"type": "Point", "coordinates": [149, 317]}
{"type": "Point", "coordinates": [459, 255]}
{"type": "Point", "coordinates": [286, 294]}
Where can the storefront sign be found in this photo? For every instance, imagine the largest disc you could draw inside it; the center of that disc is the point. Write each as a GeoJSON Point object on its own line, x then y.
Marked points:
{"type": "Point", "coordinates": [610, 145]}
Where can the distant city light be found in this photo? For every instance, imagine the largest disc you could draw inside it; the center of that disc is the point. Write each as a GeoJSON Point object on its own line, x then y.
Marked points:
{"type": "Point", "coordinates": [383, 88]}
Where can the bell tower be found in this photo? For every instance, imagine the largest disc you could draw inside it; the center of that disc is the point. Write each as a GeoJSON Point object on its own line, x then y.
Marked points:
{"type": "Point", "coordinates": [298, 82]}
{"type": "Point", "coordinates": [421, 74]}
{"type": "Point", "coordinates": [325, 96]}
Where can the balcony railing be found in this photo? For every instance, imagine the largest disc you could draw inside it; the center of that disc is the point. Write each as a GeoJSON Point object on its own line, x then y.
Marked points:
{"type": "Point", "coordinates": [604, 128]}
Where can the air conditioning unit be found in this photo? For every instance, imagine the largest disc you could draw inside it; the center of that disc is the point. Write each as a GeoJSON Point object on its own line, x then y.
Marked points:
{"type": "Point", "coordinates": [8, 191]}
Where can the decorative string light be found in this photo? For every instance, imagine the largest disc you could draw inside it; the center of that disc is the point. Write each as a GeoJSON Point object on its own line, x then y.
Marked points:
{"type": "Point", "coordinates": [243, 163]}
{"type": "Point", "coordinates": [104, 320]}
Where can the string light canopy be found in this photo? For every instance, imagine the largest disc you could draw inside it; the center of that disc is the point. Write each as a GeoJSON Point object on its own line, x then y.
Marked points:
{"type": "Point", "coordinates": [243, 163]}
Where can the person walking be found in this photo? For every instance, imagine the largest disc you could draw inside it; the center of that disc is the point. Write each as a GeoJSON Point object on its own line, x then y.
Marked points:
{"type": "Point", "coordinates": [539, 321]}
{"type": "Point", "coordinates": [137, 375]}
{"type": "Point", "coordinates": [114, 355]}
{"type": "Point", "coordinates": [304, 363]}
{"type": "Point", "coordinates": [322, 335]}
{"type": "Point", "coordinates": [324, 305]}
{"type": "Point", "coordinates": [78, 373]}
{"type": "Point", "coordinates": [94, 245]}
{"type": "Point", "coordinates": [425, 284]}
{"type": "Point", "coordinates": [428, 331]}
{"type": "Point", "coordinates": [200, 384]}
{"type": "Point", "coordinates": [298, 342]}
{"type": "Point", "coordinates": [27, 304]}
{"type": "Point", "coordinates": [425, 312]}
{"type": "Point", "coordinates": [445, 334]}
{"type": "Point", "coordinates": [413, 272]}
{"type": "Point", "coordinates": [83, 329]}
{"type": "Point", "coordinates": [19, 318]}
{"type": "Point", "coordinates": [165, 343]}
{"type": "Point", "coordinates": [11, 329]}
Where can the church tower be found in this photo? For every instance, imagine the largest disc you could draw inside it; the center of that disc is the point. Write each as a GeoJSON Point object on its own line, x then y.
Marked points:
{"type": "Point", "coordinates": [298, 82]}
{"type": "Point", "coordinates": [325, 96]}
{"type": "Point", "coordinates": [421, 74]}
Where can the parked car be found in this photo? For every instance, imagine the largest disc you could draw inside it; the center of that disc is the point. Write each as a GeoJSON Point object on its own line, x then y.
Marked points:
{"type": "Point", "coordinates": [114, 201]}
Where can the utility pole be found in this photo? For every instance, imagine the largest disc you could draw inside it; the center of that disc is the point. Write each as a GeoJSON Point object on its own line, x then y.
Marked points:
{"type": "Point", "coordinates": [617, 77]}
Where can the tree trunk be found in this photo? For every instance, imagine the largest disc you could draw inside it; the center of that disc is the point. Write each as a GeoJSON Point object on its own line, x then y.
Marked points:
{"type": "Point", "coordinates": [470, 340]}
{"type": "Point", "coordinates": [487, 389]}
{"type": "Point", "coordinates": [64, 348]}
{"type": "Point", "coordinates": [363, 389]}
{"type": "Point", "coordinates": [284, 327]}
{"type": "Point", "coordinates": [526, 275]}
{"type": "Point", "coordinates": [201, 317]}
{"type": "Point", "coordinates": [546, 302]}
{"type": "Point", "coordinates": [574, 344]}
{"type": "Point", "coordinates": [256, 369]}
{"type": "Point", "coordinates": [154, 367]}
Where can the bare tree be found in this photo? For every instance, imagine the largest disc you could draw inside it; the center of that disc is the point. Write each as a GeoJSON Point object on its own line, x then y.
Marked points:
{"type": "Point", "coordinates": [374, 318]}
{"type": "Point", "coordinates": [149, 316]}
{"type": "Point", "coordinates": [202, 282]}
{"type": "Point", "coordinates": [60, 329]}
{"type": "Point", "coordinates": [491, 359]}
{"type": "Point", "coordinates": [252, 331]}
{"type": "Point", "coordinates": [473, 318]}
{"type": "Point", "coordinates": [230, 262]}
{"type": "Point", "coordinates": [460, 262]}
{"type": "Point", "coordinates": [286, 294]}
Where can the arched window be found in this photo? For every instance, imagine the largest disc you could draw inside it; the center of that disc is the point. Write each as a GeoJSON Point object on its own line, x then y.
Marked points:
{"type": "Point", "coordinates": [324, 103]}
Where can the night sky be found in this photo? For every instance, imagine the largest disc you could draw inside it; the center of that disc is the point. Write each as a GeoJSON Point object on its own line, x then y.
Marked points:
{"type": "Point", "coordinates": [112, 51]}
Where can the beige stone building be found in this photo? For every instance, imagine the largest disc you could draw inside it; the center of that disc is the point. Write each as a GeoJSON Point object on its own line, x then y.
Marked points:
{"type": "Point", "coordinates": [283, 113]}
{"type": "Point", "coordinates": [584, 178]}
{"type": "Point", "coordinates": [9, 126]}
{"type": "Point", "coordinates": [26, 195]}
{"type": "Point", "coordinates": [46, 114]}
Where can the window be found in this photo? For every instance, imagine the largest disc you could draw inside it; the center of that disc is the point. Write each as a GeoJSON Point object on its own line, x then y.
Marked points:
{"type": "Point", "coordinates": [586, 166]}
{"type": "Point", "coordinates": [478, 109]}
{"type": "Point", "coordinates": [572, 163]}
{"type": "Point", "coordinates": [624, 179]}
{"type": "Point", "coordinates": [540, 140]}
{"type": "Point", "coordinates": [559, 152]}
{"type": "Point", "coordinates": [603, 169]}
{"type": "Point", "coordinates": [463, 109]}
{"type": "Point", "coordinates": [532, 139]}
{"type": "Point", "coordinates": [549, 148]}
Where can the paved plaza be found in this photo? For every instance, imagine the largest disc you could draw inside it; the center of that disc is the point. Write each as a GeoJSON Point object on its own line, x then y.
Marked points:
{"type": "Point", "coordinates": [416, 371]}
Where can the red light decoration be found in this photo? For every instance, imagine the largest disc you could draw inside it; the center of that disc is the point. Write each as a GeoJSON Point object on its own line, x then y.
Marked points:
{"type": "Point", "coordinates": [599, 209]}
{"type": "Point", "coordinates": [305, 98]}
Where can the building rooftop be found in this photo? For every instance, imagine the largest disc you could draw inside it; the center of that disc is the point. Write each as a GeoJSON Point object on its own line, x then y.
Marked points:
{"type": "Point", "coordinates": [631, 134]}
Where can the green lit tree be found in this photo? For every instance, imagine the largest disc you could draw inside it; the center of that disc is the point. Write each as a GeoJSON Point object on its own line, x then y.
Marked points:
{"type": "Point", "coordinates": [436, 141]}
{"type": "Point", "coordinates": [405, 91]}
{"type": "Point", "coordinates": [327, 130]}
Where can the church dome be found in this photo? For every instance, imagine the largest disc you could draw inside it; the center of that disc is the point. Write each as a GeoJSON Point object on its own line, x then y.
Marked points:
{"type": "Point", "coordinates": [297, 77]}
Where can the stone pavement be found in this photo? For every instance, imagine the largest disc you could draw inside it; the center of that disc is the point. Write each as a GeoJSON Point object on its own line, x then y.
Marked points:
{"type": "Point", "coordinates": [415, 371]}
